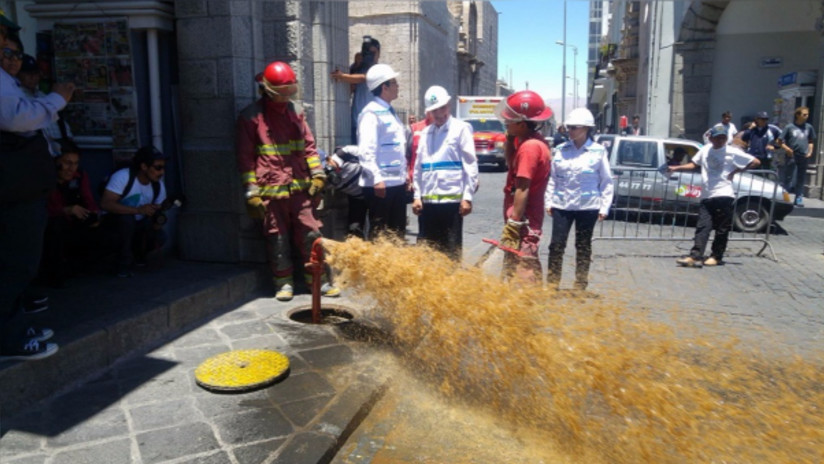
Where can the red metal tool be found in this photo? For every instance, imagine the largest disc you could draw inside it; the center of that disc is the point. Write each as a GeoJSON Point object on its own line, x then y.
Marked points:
{"type": "Point", "coordinates": [497, 244]}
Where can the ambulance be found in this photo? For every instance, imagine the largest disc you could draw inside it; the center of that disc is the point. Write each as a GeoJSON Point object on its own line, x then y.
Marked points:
{"type": "Point", "coordinates": [488, 130]}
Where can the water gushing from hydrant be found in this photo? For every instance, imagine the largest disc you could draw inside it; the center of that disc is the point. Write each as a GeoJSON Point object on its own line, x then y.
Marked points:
{"type": "Point", "coordinates": [602, 380]}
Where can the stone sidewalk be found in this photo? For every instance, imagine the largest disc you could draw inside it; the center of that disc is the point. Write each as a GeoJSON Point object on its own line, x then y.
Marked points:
{"type": "Point", "coordinates": [148, 409]}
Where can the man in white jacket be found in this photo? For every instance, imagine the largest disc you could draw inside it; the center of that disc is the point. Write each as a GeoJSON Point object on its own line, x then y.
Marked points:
{"type": "Point", "coordinates": [382, 153]}
{"type": "Point", "coordinates": [445, 176]}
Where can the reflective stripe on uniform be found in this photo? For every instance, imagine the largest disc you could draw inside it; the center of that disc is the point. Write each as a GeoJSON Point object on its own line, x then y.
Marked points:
{"type": "Point", "coordinates": [313, 162]}
{"type": "Point", "coordinates": [442, 166]}
{"type": "Point", "coordinates": [280, 149]}
{"type": "Point", "coordinates": [283, 191]}
{"type": "Point", "coordinates": [442, 197]}
{"type": "Point", "coordinates": [248, 177]}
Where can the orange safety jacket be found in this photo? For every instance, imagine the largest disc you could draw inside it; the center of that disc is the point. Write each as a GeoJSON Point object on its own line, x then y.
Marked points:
{"type": "Point", "coordinates": [275, 149]}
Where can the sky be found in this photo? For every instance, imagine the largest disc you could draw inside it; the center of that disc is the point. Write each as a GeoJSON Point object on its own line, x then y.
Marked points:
{"type": "Point", "coordinates": [527, 32]}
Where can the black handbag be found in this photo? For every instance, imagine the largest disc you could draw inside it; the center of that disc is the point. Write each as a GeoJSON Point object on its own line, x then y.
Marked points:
{"type": "Point", "coordinates": [27, 171]}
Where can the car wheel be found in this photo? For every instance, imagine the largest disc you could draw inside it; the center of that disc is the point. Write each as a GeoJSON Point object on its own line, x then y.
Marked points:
{"type": "Point", "coordinates": [751, 216]}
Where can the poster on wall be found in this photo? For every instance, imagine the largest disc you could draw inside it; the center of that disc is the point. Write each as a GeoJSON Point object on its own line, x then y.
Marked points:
{"type": "Point", "coordinates": [97, 58]}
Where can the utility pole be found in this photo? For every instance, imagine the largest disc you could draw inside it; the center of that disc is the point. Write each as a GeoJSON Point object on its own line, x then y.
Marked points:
{"type": "Point", "coordinates": [563, 73]}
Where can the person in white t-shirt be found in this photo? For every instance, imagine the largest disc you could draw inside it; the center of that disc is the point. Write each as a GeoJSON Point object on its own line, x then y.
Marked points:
{"type": "Point", "coordinates": [719, 162]}
{"type": "Point", "coordinates": [133, 199]}
{"type": "Point", "coordinates": [726, 121]}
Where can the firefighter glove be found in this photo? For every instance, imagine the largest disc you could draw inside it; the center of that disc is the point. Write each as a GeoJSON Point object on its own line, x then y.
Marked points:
{"type": "Point", "coordinates": [317, 186]}
{"type": "Point", "coordinates": [254, 203]}
{"type": "Point", "coordinates": [511, 236]}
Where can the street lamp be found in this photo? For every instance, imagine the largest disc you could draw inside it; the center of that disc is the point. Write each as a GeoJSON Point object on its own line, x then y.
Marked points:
{"type": "Point", "coordinates": [563, 71]}
{"type": "Point", "coordinates": [574, 67]}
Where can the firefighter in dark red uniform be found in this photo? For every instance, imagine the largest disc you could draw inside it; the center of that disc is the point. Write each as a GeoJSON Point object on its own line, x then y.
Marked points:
{"type": "Point", "coordinates": [282, 174]}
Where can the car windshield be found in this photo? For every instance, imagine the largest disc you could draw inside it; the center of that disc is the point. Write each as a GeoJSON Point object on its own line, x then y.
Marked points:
{"type": "Point", "coordinates": [486, 125]}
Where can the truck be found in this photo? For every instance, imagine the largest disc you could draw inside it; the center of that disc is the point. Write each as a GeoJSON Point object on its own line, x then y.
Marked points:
{"type": "Point", "coordinates": [642, 183]}
{"type": "Point", "coordinates": [489, 132]}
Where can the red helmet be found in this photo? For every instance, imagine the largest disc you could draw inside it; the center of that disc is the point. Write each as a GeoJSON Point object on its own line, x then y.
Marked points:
{"type": "Point", "coordinates": [278, 79]}
{"type": "Point", "coordinates": [525, 105]}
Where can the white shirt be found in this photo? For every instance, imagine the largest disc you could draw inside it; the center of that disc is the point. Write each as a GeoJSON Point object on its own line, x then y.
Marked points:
{"type": "Point", "coordinates": [22, 114]}
{"type": "Point", "coordinates": [138, 195]}
{"type": "Point", "coordinates": [716, 166]}
{"type": "Point", "coordinates": [580, 178]}
{"type": "Point", "coordinates": [446, 168]}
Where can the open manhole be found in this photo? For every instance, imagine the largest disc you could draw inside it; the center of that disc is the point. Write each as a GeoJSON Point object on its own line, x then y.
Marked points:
{"type": "Point", "coordinates": [329, 314]}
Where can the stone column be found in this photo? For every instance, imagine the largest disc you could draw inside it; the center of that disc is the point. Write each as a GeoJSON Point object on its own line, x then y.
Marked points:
{"type": "Point", "coordinates": [692, 69]}
{"type": "Point", "coordinates": [221, 46]}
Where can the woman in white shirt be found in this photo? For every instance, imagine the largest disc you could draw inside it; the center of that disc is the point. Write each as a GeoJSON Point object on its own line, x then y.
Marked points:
{"type": "Point", "coordinates": [579, 192]}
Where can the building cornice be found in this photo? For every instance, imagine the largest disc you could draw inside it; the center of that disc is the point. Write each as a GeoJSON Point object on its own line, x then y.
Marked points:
{"type": "Point", "coordinates": [141, 14]}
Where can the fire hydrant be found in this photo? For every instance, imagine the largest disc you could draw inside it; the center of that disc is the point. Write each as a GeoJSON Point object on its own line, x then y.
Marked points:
{"type": "Point", "coordinates": [316, 267]}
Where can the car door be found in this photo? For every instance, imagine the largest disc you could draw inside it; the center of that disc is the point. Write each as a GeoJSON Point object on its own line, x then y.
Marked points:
{"type": "Point", "coordinates": [681, 191]}
{"type": "Point", "coordinates": [635, 172]}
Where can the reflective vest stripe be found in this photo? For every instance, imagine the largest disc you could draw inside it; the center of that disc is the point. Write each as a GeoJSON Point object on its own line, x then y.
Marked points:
{"type": "Point", "coordinates": [442, 197]}
{"type": "Point", "coordinates": [442, 166]}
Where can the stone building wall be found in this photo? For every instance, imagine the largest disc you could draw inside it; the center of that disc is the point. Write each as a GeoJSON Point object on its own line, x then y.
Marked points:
{"type": "Point", "coordinates": [418, 39]}
{"type": "Point", "coordinates": [487, 48]}
{"type": "Point", "coordinates": [221, 46]}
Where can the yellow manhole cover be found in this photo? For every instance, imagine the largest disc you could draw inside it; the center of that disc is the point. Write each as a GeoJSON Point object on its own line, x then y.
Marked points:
{"type": "Point", "coordinates": [242, 370]}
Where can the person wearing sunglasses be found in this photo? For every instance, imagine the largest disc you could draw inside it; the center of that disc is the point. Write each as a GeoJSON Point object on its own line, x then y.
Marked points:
{"type": "Point", "coordinates": [132, 198]}
{"type": "Point", "coordinates": [27, 175]}
{"type": "Point", "coordinates": [799, 138]}
{"type": "Point", "coordinates": [579, 192]}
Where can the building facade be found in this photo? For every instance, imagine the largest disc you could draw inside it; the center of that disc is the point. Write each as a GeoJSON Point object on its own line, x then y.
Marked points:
{"type": "Point", "coordinates": [681, 64]}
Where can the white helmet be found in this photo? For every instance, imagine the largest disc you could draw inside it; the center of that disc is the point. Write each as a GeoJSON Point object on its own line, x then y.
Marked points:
{"type": "Point", "coordinates": [378, 74]}
{"type": "Point", "coordinates": [435, 97]}
{"type": "Point", "coordinates": [580, 117]}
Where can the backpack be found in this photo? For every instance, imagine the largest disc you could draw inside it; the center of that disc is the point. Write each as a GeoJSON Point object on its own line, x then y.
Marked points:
{"type": "Point", "coordinates": [129, 184]}
{"type": "Point", "coordinates": [345, 178]}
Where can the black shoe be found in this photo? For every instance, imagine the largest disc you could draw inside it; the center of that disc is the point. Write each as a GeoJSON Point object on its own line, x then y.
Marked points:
{"type": "Point", "coordinates": [29, 350]}
{"type": "Point", "coordinates": [35, 306]}
{"type": "Point", "coordinates": [41, 334]}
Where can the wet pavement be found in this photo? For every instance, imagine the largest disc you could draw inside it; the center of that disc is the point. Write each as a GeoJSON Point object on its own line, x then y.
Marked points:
{"type": "Point", "coordinates": [122, 389]}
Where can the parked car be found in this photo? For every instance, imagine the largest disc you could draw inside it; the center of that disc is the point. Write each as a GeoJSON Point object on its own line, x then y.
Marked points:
{"type": "Point", "coordinates": [643, 184]}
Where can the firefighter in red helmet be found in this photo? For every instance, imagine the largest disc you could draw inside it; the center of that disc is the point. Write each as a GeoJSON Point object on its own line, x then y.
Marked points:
{"type": "Point", "coordinates": [282, 174]}
{"type": "Point", "coordinates": [527, 156]}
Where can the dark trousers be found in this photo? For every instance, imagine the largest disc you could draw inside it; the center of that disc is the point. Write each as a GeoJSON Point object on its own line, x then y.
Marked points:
{"type": "Point", "coordinates": [713, 214]}
{"type": "Point", "coordinates": [70, 245]}
{"type": "Point", "coordinates": [387, 215]}
{"type": "Point", "coordinates": [21, 243]}
{"type": "Point", "coordinates": [801, 163]}
{"type": "Point", "coordinates": [356, 216]}
{"type": "Point", "coordinates": [440, 226]}
{"type": "Point", "coordinates": [562, 221]}
{"type": "Point", "coordinates": [135, 239]}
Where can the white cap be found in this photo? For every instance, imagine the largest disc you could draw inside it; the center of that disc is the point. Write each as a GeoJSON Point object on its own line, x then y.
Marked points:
{"type": "Point", "coordinates": [435, 97]}
{"type": "Point", "coordinates": [580, 117]}
{"type": "Point", "coordinates": [378, 74]}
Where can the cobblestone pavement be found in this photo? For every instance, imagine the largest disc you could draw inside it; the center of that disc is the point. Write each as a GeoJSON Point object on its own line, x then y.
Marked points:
{"type": "Point", "coordinates": [147, 409]}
